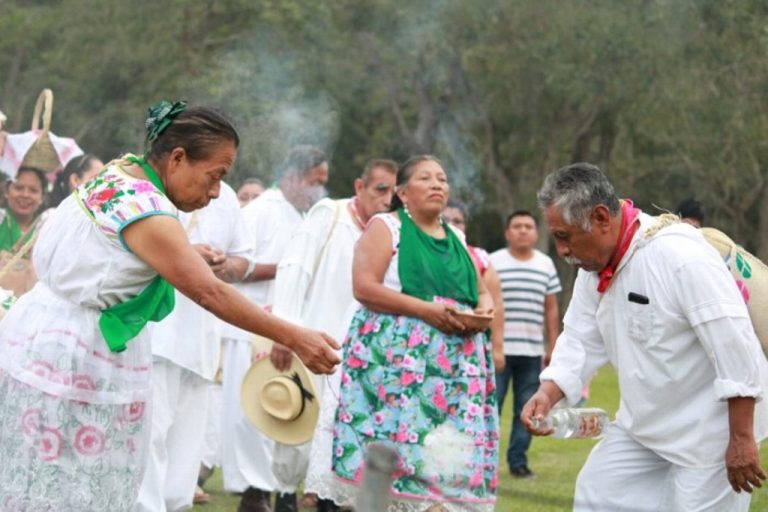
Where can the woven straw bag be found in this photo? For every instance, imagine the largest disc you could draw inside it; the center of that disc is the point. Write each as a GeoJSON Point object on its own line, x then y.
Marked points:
{"type": "Point", "coordinates": [42, 155]}
{"type": "Point", "coordinates": [39, 147]}
{"type": "Point", "coordinates": [751, 277]}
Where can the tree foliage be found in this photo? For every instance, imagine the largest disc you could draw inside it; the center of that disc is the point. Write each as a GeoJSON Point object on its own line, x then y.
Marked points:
{"type": "Point", "coordinates": [667, 97]}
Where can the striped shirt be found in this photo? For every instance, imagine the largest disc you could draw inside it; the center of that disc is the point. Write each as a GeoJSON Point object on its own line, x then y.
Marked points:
{"type": "Point", "coordinates": [524, 287]}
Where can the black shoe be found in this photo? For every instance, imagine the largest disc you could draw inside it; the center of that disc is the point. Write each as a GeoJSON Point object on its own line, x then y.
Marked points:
{"type": "Point", "coordinates": [521, 472]}
{"type": "Point", "coordinates": [254, 500]}
{"type": "Point", "coordinates": [203, 475]}
{"type": "Point", "coordinates": [327, 506]}
{"type": "Point", "coordinates": [286, 503]}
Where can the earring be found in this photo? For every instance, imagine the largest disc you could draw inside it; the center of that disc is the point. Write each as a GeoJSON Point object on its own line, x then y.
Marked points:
{"type": "Point", "coordinates": [407, 212]}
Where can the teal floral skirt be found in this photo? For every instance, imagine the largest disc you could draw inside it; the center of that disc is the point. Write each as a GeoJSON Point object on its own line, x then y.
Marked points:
{"type": "Point", "coordinates": [432, 397]}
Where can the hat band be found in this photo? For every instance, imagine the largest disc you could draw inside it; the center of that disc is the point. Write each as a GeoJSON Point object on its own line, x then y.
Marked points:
{"type": "Point", "coordinates": [306, 395]}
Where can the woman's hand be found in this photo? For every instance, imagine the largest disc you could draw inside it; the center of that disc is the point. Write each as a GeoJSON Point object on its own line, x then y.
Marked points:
{"type": "Point", "coordinates": [281, 357]}
{"type": "Point", "coordinates": [315, 349]}
{"type": "Point", "coordinates": [439, 316]}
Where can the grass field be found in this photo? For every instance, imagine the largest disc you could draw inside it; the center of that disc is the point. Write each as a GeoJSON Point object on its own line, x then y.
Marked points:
{"type": "Point", "coordinates": [555, 462]}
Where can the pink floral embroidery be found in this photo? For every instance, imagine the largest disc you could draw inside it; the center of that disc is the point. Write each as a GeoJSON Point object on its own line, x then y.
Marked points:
{"type": "Point", "coordinates": [83, 381]}
{"type": "Point", "coordinates": [744, 289]}
{"type": "Point", "coordinates": [440, 402]}
{"type": "Point", "coordinates": [40, 368]}
{"type": "Point", "coordinates": [50, 444]}
{"type": "Point", "coordinates": [442, 360]}
{"type": "Point", "coordinates": [133, 412]}
{"type": "Point", "coordinates": [60, 378]}
{"type": "Point", "coordinates": [367, 328]}
{"type": "Point", "coordinates": [354, 362]}
{"type": "Point", "coordinates": [142, 186]}
{"type": "Point", "coordinates": [469, 347]}
{"type": "Point", "coordinates": [90, 441]}
{"type": "Point", "coordinates": [474, 386]}
{"type": "Point", "coordinates": [30, 421]}
{"type": "Point", "coordinates": [477, 478]}
{"type": "Point", "coordinates": [407, 378]}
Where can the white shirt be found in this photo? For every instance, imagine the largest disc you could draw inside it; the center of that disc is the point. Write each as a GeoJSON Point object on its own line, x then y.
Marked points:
{"type": "Point", "coordinates": [272, 221]}
{"type": "Point", "coordinates": [189, 336]}
{"type": "Point", "coordinates": [679, 357]}
{"type": "Point", "coordinates": [525, 285]}
{"type": "Point", "coordinates": [313, 286]}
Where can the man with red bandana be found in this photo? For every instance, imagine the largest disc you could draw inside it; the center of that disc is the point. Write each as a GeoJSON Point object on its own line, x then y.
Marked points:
{"type": "Point", "coordinates": [654, 300]}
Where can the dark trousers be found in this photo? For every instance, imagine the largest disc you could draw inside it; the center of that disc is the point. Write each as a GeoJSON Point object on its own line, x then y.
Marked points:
{"type": "Point", "coordinates": [523, 371]}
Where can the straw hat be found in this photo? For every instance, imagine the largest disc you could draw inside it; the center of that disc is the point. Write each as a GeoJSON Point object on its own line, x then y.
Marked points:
{"type": "Point", "coordinates": [751, 277]}
{"type": "Point", "coordinates": [283, 405]}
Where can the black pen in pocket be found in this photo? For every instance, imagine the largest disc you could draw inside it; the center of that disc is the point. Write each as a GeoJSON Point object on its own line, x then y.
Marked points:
{"type": "Point", "coordinates": [637, 298]}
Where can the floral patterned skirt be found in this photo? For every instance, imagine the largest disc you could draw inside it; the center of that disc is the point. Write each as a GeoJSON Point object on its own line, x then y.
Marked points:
{"type": "Point", "coordinates": [433, 398]}
{"type": "Point", "coordinates": [60, 454]}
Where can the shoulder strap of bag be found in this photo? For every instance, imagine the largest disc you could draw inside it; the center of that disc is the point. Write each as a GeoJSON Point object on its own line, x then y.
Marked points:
{"type": "Point", "coordinates": [18, 255]}
{"type": "Point", "coordinates": [335, 221]}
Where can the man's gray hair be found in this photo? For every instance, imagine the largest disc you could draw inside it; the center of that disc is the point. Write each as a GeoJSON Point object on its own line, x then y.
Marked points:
{"type": "Point", "coordinates": [575, 190]}
{"type": "Point", "coordinates": [301, 160]}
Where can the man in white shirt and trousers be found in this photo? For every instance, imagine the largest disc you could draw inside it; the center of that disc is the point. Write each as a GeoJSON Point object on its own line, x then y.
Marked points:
{"type": "Point", "coordinates": [185, 348]}
{"type": "Point", "coordinates": [654, 300]}
{"type": "Point", "coordinates": [272, 219]}
{"type": "Point", "coordinates": [313, 287]}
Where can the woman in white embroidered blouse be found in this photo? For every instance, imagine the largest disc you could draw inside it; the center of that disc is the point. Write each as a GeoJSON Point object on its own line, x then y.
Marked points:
{"type": "Point", "coordinates": [74, 357]}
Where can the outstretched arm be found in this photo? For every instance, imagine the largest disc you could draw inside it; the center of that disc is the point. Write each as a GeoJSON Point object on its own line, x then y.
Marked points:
{"type": "Point", "coordinates": [161, 242]}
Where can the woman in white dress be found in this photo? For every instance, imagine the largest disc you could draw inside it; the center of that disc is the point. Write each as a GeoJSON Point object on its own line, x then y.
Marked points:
{"type": "Point", "coordinates": [74, 357]}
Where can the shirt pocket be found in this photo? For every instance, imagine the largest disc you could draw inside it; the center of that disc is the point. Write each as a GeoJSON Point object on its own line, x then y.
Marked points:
{"type": "Point", "coordinates": [640, 322]}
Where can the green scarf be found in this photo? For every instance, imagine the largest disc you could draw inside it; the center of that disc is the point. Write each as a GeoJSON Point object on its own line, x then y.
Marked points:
{"type": "Point", "coordinates": [122, 322]}
{"type": "Point", "coordinates": [10, 232]}
{"type": "Point", "coordinates": [430, 267]}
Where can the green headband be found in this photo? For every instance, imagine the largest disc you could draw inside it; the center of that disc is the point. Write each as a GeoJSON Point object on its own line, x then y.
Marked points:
{"type": "Point", "coordinates": [161, 115]}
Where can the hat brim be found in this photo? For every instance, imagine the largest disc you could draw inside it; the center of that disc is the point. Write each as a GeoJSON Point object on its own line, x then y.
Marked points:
{"type": "Point", "coordinates": [293, 432]}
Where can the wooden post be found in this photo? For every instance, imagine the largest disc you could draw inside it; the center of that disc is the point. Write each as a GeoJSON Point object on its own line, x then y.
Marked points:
{"type": "Point", "coordinates": [380, 463]}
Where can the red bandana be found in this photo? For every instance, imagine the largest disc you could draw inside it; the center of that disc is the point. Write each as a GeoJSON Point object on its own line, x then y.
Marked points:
{"type": "Point", "coordinates": [629, 227]}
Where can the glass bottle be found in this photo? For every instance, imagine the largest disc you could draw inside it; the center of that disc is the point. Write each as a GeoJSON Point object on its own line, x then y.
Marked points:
{"type": "Point", "coordinates": [576, 423]}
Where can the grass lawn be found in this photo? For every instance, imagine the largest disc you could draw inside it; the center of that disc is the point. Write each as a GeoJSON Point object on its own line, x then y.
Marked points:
{"type": "Point", "coordinates": [556, 463]}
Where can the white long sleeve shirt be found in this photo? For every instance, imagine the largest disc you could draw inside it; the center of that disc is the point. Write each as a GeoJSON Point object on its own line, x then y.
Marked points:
{"type": "Point", "coordinates": [679, 357]}
{"type": "Point", "coordinates": [272, 221]}
{"type": "Point", "coordinates": [190, 336]}
{"type": "Point", "coordinates": [313, 286]}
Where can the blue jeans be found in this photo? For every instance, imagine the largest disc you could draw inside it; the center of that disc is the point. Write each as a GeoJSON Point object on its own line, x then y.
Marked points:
{"type": "Point", "coordinates": [523, 371]}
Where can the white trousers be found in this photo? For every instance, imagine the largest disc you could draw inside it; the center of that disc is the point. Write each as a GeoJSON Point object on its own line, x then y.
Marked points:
{"type": "Point", "coordinates": [179, 413]}
{"type": "Point", "coordinates": [621, 475]}
{"type": "Point", "coordinates": [246, 453]}
{"type": "Point", "coordinates": [212, 442]}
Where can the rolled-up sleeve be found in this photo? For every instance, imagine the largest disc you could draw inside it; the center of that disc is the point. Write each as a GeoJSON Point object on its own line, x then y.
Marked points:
{"type": "Point", "coordinates": [719, 316]}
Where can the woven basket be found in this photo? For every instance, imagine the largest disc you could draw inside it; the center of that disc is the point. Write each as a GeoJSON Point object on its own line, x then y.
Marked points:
{"type": "Point", "coordinates": [42, 155]}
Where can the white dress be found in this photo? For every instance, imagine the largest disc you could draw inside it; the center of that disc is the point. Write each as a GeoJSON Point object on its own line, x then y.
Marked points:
{"type": "Point", "coordinates": [313, 288]}
{"type": "Point", "coordinates": [73, 414]}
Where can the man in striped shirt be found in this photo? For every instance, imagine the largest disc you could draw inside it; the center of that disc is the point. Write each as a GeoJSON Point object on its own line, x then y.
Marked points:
{"type": "Point", "coordinates": [529, 285]}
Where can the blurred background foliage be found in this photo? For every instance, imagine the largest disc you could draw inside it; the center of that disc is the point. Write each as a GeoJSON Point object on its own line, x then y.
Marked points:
{"type": "Point", "coordinates": [668, 97]}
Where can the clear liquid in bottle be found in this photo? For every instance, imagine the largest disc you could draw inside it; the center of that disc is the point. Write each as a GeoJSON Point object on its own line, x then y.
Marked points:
{"type": "Point", "coordinates": [577, 423]}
